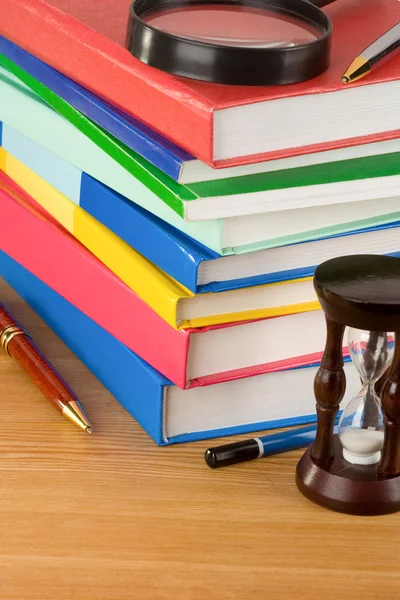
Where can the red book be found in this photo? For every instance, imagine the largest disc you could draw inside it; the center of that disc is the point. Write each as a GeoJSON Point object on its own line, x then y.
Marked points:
{"type": "Point", "coordinates": [186, 357]}
{"type": "Point", "coordinates": [221, 125]}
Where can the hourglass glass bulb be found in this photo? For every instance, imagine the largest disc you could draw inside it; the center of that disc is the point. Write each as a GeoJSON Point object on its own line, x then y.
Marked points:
{"type": "Point", "coordinates": [361, 430]}
{"type": "Point", "coordinates": [361, 424]}
{"type": "Point", "coordinates": [370, 352]}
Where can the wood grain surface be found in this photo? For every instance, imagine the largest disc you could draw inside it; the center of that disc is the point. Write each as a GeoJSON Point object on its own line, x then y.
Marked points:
{"type": "Point", "coordinates": [113, 517]}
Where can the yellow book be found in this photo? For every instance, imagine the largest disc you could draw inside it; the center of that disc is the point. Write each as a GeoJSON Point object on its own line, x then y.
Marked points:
{"type": "Point", "coordinates": [171, 300]}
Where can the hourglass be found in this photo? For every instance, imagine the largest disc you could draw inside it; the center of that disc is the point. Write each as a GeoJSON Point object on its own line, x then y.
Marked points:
{"type": "Point", "coordinates": [357, 471]}
{"type": "Point", "coordinates": [361, 424]}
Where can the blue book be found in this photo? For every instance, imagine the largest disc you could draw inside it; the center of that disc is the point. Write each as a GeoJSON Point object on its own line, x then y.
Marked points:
{"type": "Point", "coordinates": [192, 264]}
{"type": "Point", "coordinates": [167, 413]}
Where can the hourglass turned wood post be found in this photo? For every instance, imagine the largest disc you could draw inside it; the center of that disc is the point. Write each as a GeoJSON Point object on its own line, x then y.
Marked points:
{"type": "Point", "coordinates": [390, 398]}
{"type": "Point", "coordinates": [329, 389]}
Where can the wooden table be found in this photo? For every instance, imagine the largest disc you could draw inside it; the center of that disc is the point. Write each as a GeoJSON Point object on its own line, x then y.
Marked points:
{"type": "Point", "coordinates": [113, 517]}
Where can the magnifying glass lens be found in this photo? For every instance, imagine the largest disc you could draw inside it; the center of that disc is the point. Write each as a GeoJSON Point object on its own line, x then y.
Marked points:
{"type": "Point", "coordinates": [232, 42]}
{"type": "Point", "coordinates": [233, 25]}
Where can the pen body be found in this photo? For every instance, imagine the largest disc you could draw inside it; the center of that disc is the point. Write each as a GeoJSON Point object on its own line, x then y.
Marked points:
{"type": "Point", "coordinates": [17, 343]}
{"type": "Point", "coordinates": [39, 371]}
{"type": "Point", "coordinates": [284, 442]}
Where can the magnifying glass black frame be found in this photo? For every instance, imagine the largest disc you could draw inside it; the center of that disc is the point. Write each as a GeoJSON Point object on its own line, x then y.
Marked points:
{"type": "Point", "coordinates": [232, 65]}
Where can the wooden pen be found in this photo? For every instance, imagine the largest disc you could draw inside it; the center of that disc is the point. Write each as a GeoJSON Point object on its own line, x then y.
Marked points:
{"type": "Point", "coordinates": [16, 342]}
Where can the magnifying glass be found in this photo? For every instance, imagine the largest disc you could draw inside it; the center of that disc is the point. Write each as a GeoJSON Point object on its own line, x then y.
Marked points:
{"type": "Point", "coordinates": [242, 42]}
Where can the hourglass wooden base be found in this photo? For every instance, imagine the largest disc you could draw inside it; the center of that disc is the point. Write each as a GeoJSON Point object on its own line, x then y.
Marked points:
{"type": "Point", "coordinates": [361, 292]}
{"type": "Point", "coordinates": [352, 489]}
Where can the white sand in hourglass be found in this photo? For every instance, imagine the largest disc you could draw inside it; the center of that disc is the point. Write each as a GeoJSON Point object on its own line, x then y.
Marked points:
{"type": "Point", "coordinates": [362, 446]}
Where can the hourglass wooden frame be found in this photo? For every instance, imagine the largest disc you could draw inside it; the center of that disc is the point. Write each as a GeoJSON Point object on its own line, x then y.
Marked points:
{"type": "Point", "coordinates": [362, 292]}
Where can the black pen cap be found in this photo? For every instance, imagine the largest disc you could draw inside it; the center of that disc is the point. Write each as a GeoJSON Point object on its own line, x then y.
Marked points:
{"type": "Point", "coordinates": [231, 454]}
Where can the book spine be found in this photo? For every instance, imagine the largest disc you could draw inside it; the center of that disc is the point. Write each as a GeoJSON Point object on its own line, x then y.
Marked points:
{"type": "Point", "coordinates": [111, 72]}
{"type": "Point", "coordinates": [64, 264]}
{"type": "Point", "coordinates": [137, 386]}
{"type": "Point", "coordinates": [154, 148]}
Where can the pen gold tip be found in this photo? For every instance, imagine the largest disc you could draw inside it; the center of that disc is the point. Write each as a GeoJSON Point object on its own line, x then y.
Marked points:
{"type": "Point", "coordinates": [75, 413]}
{"type": "Point", "coordinates": [358, 68]}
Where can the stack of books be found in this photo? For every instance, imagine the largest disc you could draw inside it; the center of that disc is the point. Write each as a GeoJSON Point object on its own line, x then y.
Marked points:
{"type": "Point", "coordinates": [168, 229]}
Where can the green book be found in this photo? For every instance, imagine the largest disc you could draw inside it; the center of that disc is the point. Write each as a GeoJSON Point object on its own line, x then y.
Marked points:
{"type": "Point", "coordinates": [366, 178]}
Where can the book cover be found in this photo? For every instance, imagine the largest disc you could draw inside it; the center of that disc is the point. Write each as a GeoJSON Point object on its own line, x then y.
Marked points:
{"type": "Point", "coordinates": [237, 196]}
{"type": "Point", "coordinates": [85, 41]}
